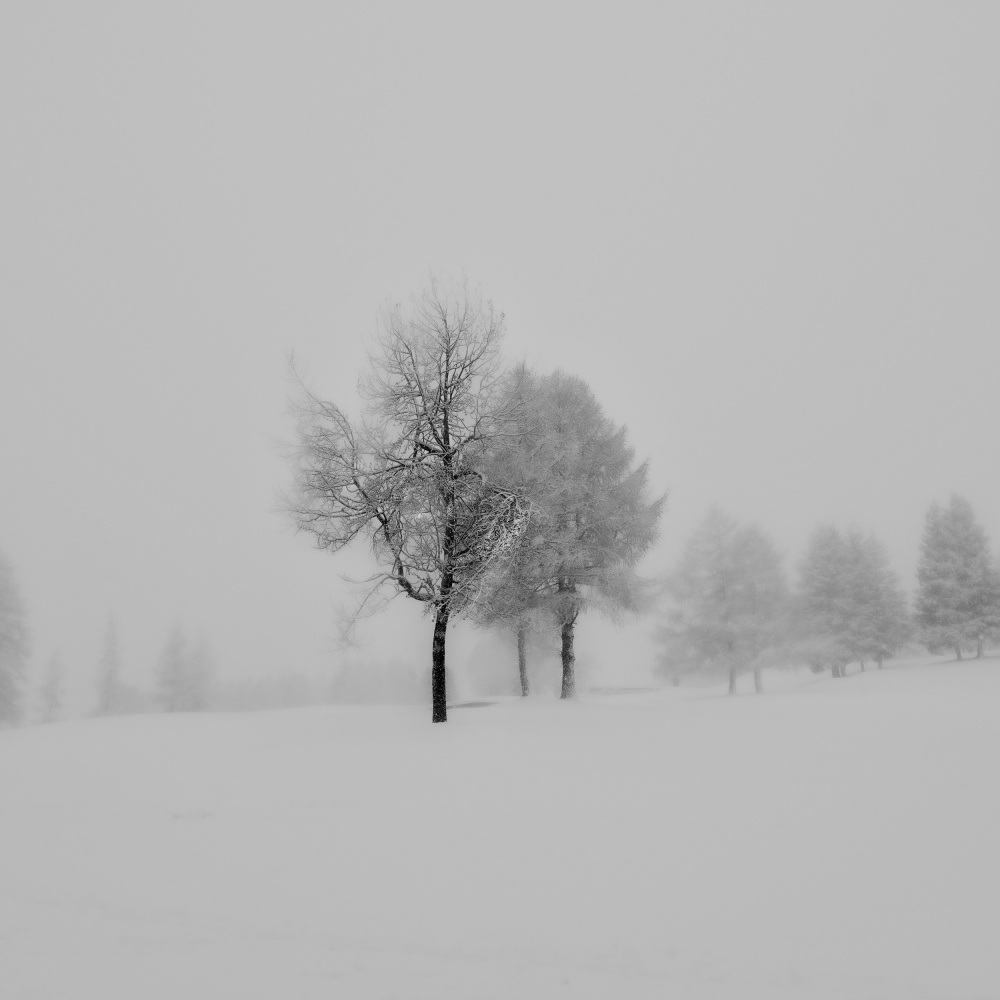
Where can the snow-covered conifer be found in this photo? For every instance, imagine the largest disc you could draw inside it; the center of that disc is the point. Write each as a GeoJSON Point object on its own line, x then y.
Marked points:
{"type": "Point", "coordinates": [728, 602]}
{"type": "Point", "coordinates": [958, 600]}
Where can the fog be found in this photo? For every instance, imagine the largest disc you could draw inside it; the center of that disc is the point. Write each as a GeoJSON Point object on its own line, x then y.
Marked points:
{"type": "Point", "coordinates": [767, 238]}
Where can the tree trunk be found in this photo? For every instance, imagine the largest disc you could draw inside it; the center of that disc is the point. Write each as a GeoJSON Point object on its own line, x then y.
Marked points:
{"type": "Point", "coordinates": [758, 684]}
{"type": "Point", "coordinates": [568, 662]}
{"type": "Point", "coordinates": [958, 652]}
{"type": "Point", "coordinates": [879, 662]}
{"type": "Point", "coordinates": [732, 680]}
{"type": "Point", "coordinates": [862, 662]}
{"type": "Point", "coordinates": [439, 692]}
{"type": "Point", "coordinates": [522, 659]}
{"type": "Point", "coordinates": [837, 670]}
{"type": "Point", "coordinates": [979, 647]}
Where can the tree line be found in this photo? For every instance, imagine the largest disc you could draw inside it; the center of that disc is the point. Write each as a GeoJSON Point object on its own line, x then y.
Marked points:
{"type": "Point", "coordinates": [183, 675]}
{"type": "Point", "coordinates": [507, 497]}
{"type": "Point", "coordinates": [731, 610]}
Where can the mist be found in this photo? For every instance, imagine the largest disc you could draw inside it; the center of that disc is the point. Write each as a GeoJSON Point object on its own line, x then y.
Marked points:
{"type": "Point", "coordinates": [766, 238]}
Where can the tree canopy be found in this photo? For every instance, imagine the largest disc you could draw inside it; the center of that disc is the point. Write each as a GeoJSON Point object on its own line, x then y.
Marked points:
{"type": "Point", "coordinates": [958, 599]}
{"type": "Point", "coordinates": [728, 601]}
{"type": "Point", "coordinates": [406, 477]}
{"type": "Point", "coordinates": [591, 516]}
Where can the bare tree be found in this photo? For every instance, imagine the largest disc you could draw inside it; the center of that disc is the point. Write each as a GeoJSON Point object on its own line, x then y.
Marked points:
{"type": "Point", "coordinates": [407, 478]}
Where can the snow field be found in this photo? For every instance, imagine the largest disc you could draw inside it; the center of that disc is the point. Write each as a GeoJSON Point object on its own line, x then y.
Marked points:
{"type": "Point", "coordinates": [833, 839]}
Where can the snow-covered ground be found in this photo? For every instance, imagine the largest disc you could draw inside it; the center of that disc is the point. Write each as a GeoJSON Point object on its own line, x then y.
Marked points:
{"type": "Point", "coordinates": [835, 839]}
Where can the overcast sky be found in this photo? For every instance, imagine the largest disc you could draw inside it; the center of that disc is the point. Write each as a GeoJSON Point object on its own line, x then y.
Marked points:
{"type": "Point", "coordinates": [766, 235]}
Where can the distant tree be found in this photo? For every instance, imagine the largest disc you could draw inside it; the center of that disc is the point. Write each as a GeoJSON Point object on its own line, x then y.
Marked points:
{"type": "Point", "coordinates": [51, 700]}
{"type": "Point", "coordinates": [728, 602]}
{"type": "Point", "coordinates": [184, 673]}
{"type": "Point", "coordinates": [13, 645]}
{"type": "Point", "coordinates": [884, 623]}
{"type": "Point", "coordinates": [590, 519]}
{"type": "Point", "coordinates": [406, 478]}
{"type": "Point", "coordinates": [958, 597]}
{"type": "Point", "coordinates": [171, 671]}
{"type": "Point", "coordinates": [851, 604]}
{"type": "Point", "coordinates": [109, 672]}
{"type": "Point", "coordinates": [825, 604]}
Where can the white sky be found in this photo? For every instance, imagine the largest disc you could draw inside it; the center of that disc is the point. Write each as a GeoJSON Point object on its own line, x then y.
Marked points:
{"type": "Point", "coordinates": [767, 237]}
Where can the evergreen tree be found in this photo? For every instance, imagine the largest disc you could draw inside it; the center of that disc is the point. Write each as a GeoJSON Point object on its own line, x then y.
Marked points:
{"type": "Point", "coordinates": [13, 645]}
{"type": "Point", "coordinates": [885, 625]}
{"type": "Point", "coordinates": [729, 601]}
{"type": "Point", "coordinates": [824, 618]}
{"type": "Point", "coordinates": [512, 592]}
{"type": "Point", "coordinates": [590, 515]}
{"type": "Point", "coordinates": [958, 598]}
{"type": "Point", "coordinates": [851, 604]}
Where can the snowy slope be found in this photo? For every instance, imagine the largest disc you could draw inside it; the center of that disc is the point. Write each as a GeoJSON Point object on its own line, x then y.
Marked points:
{"type": "Point", "coordinates": [838, 839]}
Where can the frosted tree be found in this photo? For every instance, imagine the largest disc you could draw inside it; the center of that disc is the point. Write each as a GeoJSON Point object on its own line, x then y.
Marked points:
{"type": "Point", "coordinates": [109, 683]}
{"type": "Point", "coordinates": [728, 602]}
{"type": "Point", "coordinates": [514, 604]}
{"type": "Point", "coordinates": [406, 478]}
{"type": "Point", "coordinates": [14, 645]}
{"type": "Point", "coordinates": [958, 597]}
{"type": "Point", "coordinates": [883, 623]}
{"type": "Point", "coordinates": [591, 518]}
{"type": "Point", "coordinates": [510, 599]}
{"type": "Point", "coordinates": [851, 605]}
{"type": "Point", "coordinates": [51, 695]}
{"type": "Point", "coordinates": [825, 605]}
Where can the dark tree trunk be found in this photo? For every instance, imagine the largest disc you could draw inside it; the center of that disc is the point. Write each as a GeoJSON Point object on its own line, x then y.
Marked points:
{"type": "Point", "coordinates": [758, 684]}
{"type": "Point", "coordinates": [958, 652]}
{"type": "Point", "coordinates": [838, 670]}
{"type": "Point", "coordinates": [439, 691]}
{"type": "Point", "coordinates": [522, 659]}
{"type": "Point", "coordinates": [568, 661]}
{"type": "Point", "coordinates": [732, 681]}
